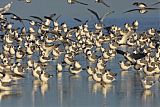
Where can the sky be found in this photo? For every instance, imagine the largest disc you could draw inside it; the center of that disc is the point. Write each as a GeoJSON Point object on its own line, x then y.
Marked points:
{"type": "Point", "coordinates": [61, 7]}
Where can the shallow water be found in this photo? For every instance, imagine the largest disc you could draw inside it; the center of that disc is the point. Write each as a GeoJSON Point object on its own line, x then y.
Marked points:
{"type": "Point", "coordinates": [66, 90]}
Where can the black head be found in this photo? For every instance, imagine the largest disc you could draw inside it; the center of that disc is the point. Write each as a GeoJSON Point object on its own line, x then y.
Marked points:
{"type": "Point", "coordinates": [136, 3]}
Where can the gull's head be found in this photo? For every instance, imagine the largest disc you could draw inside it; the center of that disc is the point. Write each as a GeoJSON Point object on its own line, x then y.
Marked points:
{"type": "Point", "coordinates": [136, 3]}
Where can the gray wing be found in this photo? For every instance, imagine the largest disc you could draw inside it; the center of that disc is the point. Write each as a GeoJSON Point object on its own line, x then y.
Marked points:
{"type": "Point", "coordinates": [155, 3]}
{"type": "Point", "coordinates": [106, 14]}
{"type": "Point", "coordinates": [5, 8]}
{"type": "Point", "coordinates": [58, 17]}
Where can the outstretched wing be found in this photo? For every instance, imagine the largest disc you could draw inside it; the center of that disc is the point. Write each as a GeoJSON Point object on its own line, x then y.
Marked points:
{"type": "Point", "coordinates": [131, 10]}
{"type": "Point", "coordinates": [106, 14]}
{"type": "Point", "coordinates": [58, 17]}
{"type": "Point", "coordinates": [78, 20]}
{"type": "Point", "coordinates": [155, 3]}
{"type": "Point", "coordinates": [36, 17]}
{"type": "Point", "coordinates": [105, 4]}
{"type": "Point", "coordinates": [120, 52]}
{"type": "Point", "coordinates": [50, 17]}
{"type": "Point", "coordinates": [15, 17]}
{"type": "Point", "coordinates": [5, 8]}
{"type": "Point", "coordinates": [95, 13]}
{"type": "Point", "coordinates": [148, 8]}
{"type": "Point", "coordinates": [81, 2]}
{"type": "Point", "coordinates": [138, 55]}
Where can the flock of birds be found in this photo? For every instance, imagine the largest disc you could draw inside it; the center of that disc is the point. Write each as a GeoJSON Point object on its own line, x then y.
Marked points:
{"type": "Point", "coordinates": [50, 41]}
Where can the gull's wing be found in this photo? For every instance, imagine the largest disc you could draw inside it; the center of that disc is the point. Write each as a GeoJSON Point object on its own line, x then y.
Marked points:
{"type": "Point", "coordinates": [5, 8]}
{"type": "Point", "coordinates": [138, 55]}
{"type": "Point", "coordinates": [131, 10]}
{"type": "Point", "coordinates": [47, 17]}
{"type": "Point", "coordinates": [78, 20]}
{"type": "Point", "coordinates": [106, 14]}
{"type": "Point", "coordinates": [120, 52]}
{"type": "Point", "coordinates": [50, 17]}
{"type": "Point", "coordinates": [36, 17]}
{"type": "Point", "coordinates": [105, 4]}
{"type": "Point", "coordinates": [15, 17]}
{"type": "Point", "coordinates": [148, 8]}
{"type": "Point", "coordinates": [155, 3]}
{"type": "Point", "coordinates": [95, 13]}
{"type": "Point", "coordinates": [58, 17]}
{"type": "Point", "coordinates": [80, 2]}
{"type": "Point", "coordinates": [8, 13]}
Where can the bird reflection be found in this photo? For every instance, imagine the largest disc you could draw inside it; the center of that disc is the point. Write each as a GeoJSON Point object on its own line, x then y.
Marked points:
{"type": "Point", "coordinates": [74, 76]}
{"type": "Point", "coordinates": [96, 87]}
{"type": "Point", "coordinates": [59, 75]}
{"type": "Point", "coordinates": [60, 89]}
{"type": "Point", "coordinates": [103, 88]}
{"type": "Point", "coordinates": [44, 88]}
{"type": "Point", "coordinates": [90, 83]}
{"type": "Point", "coordinates": [124, 74]}
{"type": "Point", "coordinates": [147, 94]}
{"type": "Point", "coordinates": [8, 94]}
{"type": "Point", "coordinates": [37, 84]}
{"type": "Point", "coordinates": [106, 88]}
{"type": "Point", "coordinates": [90, 78]}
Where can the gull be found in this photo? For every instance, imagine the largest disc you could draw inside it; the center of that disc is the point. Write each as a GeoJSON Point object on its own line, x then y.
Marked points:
{"type": "Point", "coordinates": [142, 11]}
{"type": "Point", "coordinates": [147, 82]}
{"type": "Point", "coordinates": [59, 67]}
{"type": "Point", "coordinates": [4, 87]}
{"type": "Point", "coordinates": [5, 8]}
{"type": "Point", "coordinates": [132, 56]}
{"type": "Point", "coordinates": [140, 4]}
{"type": "Point", "coordinates": [75, 1]}
{"type": "Point", "coordinates": [47, 22]}
{"type": "Point", "coordinates": [80, 21]}
{"type": "Point", "coordinates": [100, 19]}
{"type": "Point", "coordinates": [142, 7]}
{"type": "Point", "coordinates": [109, 77]}
{"type": "Point", "coordinates": [49, 18]}
{"type": "Point", "coordinates": [15, 17]}
{"type": "Point", "coordinates": [102, 2]}
{"type": "Point", "coordinates": [44, 76]}
{"type": "Point", "coordinates": [27, 1]}
{"type": "Point", "coordinates": [36, 17]}
{"type": "Point", "coordinates": [125, 65]}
